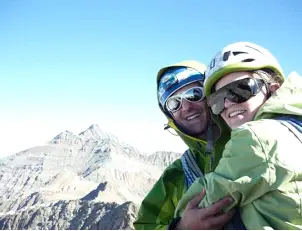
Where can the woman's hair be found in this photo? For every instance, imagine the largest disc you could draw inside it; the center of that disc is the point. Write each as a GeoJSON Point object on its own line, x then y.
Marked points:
{"type": "Point", "coordinates": [269, 76]}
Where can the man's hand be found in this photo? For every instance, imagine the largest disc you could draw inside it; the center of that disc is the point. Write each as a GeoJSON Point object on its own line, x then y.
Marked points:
{"type": "Point", "coordinates": [205, 218]}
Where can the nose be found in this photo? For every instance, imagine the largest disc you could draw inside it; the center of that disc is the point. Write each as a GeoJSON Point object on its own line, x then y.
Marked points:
{"type": "Point", "coordinates": [185, 105]}
{"type": "Point", "coordinates": [228, 103]}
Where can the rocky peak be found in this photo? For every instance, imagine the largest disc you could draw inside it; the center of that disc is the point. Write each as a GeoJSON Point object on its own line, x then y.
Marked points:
{"type": "Point", "coordinates": [293, 73]}
{"type": "Point", "coordinates": [94, 132]}
{"type": "Point", "coordinates": [66, 137]}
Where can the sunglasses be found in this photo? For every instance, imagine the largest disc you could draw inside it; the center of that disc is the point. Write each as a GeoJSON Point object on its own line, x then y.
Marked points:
{"type": "Point", "coordinates": [238, 92]}
{"type": "Point", "coordinates": [194, 94]}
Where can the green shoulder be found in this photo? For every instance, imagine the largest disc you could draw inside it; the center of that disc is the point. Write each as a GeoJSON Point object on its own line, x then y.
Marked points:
{"type": "Point", "coordinates": [158, 207]}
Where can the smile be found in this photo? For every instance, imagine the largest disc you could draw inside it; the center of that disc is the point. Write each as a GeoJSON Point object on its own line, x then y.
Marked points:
{"type": "Point", "coordinates": [234, 113]}
{"type": "Point", "coordinates": [193, 116]}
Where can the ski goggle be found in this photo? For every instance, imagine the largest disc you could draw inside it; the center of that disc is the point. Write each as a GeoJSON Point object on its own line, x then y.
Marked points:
{"type": "Point", "coordinates": [194, 94]}
{"type": "Point", "coordinates": [238, 92]}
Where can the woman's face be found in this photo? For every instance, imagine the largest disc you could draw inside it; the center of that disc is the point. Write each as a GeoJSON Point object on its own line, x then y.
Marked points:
{"type": "Point", "coordinates": [236, 114]}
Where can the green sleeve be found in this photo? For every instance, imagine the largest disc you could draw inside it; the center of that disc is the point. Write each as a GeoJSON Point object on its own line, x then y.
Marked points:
{"type": "Point", "coordinates": [249, 168]}
{"type": "Point", "coordinates": [158, 207]}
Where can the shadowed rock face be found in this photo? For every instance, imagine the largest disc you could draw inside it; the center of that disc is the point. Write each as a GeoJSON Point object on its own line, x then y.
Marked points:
{"type": "Point", "coordinates": [85, 181]}
{"type": "Point", "coordinates": [73, 215]}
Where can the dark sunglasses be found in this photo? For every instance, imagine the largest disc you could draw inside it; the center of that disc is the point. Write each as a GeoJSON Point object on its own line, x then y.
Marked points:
{"type": "Point", "coordinates": [239, 91]}
{"type": "Point", "coordinates": [194, 94]}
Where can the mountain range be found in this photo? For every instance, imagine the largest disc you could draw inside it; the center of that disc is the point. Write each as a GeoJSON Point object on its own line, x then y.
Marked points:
{"type": "Point", "coordinates": [86, 181]}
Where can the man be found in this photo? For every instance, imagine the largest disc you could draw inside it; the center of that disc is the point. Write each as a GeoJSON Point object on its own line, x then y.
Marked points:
{"type": "Point", "coordinates": [181, 99]}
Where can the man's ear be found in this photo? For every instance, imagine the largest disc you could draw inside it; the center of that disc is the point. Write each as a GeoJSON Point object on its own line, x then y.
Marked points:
{"type": "Point", "coordinates": [273, 87]}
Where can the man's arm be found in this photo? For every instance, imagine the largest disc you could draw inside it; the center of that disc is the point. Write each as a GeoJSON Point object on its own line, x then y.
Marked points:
{"type": "Point", "coordinates": [158, 208]}
{"type": "Point", "coordinates": [195, 218]}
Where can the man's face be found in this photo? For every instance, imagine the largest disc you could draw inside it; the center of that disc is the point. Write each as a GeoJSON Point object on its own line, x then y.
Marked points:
{"type": "Point", "coordinates": [192, 117]}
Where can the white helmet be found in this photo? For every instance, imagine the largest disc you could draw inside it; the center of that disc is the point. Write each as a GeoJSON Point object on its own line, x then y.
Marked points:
{"type": "Point", "coordinates": [240, 56]}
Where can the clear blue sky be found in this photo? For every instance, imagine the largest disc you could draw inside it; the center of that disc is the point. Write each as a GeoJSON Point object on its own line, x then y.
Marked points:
{"type": "Point", "coordinates": [66, 64]}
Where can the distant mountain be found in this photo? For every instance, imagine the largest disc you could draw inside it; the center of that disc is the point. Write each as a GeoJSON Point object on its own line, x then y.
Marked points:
{"type": "Point", "coordinates": [85, 181]}
{"type": "Point", "coordinates": [293, 73]}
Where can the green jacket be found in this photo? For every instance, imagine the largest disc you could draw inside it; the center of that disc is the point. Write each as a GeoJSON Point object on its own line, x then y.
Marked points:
{"type": "Point", "coordinates": [158, 207]}
{"type": "Point", "coordinates": [260, 167]}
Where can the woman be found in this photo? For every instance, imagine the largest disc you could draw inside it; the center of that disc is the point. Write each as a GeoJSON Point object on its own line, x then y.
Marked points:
{"type": "Point", "coordinates": [260, 167]}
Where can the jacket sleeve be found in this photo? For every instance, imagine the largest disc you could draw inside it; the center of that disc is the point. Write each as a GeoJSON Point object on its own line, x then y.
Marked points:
{"type": "Point", "coordinates": [249, 168]}
{"type": "Point", "coordinates": [158, 207]}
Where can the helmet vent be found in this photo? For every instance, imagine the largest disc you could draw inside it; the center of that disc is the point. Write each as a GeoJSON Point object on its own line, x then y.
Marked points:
{"type": "Point", "coordinates": [248, 60]}
{"type": "Point", "coordinates": [238, 52]}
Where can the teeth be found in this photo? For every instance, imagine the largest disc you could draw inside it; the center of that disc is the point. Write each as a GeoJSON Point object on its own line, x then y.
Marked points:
{"type": "Point", "coordinates": [193, 117]}
{"type": "Point", "coordinates": [236, 113]}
